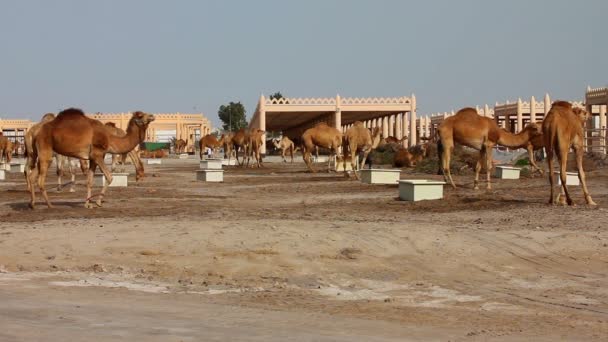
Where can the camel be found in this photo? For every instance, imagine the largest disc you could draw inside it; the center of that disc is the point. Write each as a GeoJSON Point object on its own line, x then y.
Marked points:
{"type": "Point", "coordinates": [254, 146]}
{"type": "Point", "coordinates": [153, 154]}
{"type": "Point", "coordinates": [359, 139]}
{"type": "Point", "coordinates": [75, 135]}
{"type": "Point", "coordinates": [321, 135]}
{"type": "Point", "coordinates": [121, 159]}
{"type": "Point", "coordinates": [481, 133]}
{"type": "Point", "coordinates": [64, 163]}
{"type": "Point", "coordinates": [285, 144]}
{"type": "Point", "coordinates": [180, 146]}
{"type": "Point", "coordinates": [409, 157]}
{"type": "Point", "coordinates": [29, 143]}
{"type": "Point", "coordinates": [536, 143]}
{"type": "Point", "coordinates": [6, 149]}
{"type": "Point", "coordinates": [239, 140]}
{"type": "Point", "coordinates": [392, 140]}
{"type": "Point", "coordinates": [211, 142]}
{"type": "Point", "coordinates": [562, 129]}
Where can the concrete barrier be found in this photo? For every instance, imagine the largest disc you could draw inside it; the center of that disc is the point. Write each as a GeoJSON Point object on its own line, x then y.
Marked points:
{"type": "Point", "coordinates": [420, 189]}
{"type": "Point", "coordinates": [210, 175]}
{"type": "Point", "coordinates": [2, 174]}
{"type": "Point", "coordinates": [154, 161]}
{"type": "Point", "coordinates": [17, 168]}
{"type": "Point", "coordinates": [571, 178]}
{"type": "Point", "coordinates": [380, 176]}
{"type": "Point", "coordinates": [507, 172]}
{"type": "Point", "coordinates": [118, 180]}
{"type": "Point", "coordinates": [211, 164]}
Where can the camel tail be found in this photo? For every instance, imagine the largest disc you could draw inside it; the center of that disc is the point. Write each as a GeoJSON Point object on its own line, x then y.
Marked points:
{"type": "Point", "coordinates": [440, 152]}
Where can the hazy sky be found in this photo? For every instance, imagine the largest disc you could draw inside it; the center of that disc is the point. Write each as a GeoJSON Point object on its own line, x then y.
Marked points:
{"type": "Point", "coordinates": [170, 56]}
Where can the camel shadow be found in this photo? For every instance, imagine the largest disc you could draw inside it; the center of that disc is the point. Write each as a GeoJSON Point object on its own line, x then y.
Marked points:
{"type": "Point", "coordinates": [25, 206]}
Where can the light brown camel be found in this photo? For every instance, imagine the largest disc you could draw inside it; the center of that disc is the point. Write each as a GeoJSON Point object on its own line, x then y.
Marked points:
{"type": "Point", "coordinates": [6, 149]}
{"type": "Point", "coordinates": [254, 146]}
{"type": "Point", "coordinates": [29, 143]}
{"type": "Point", "coordinates": [64, 164]}
{"type": "Point", "coordinates": [161, 153]}
{"type": "Point", "coordinates": [409, 157]}
{"type": "Point", "coordinates": [562, 129]}
{"type": "Point", "coordinates": [121, 159]}
{"type": "Point", "coordinates": [180, 146]}
{"type": "Point", "coordinates": [285, 144]}
{"type": "Point", "coordinates": [75, 135]}
{"type": "Point", "coordinates": [536, 143]}
{"type": "Point", "coordinates": [321, 135]}
{"type": "Point", "coordinates": [392, 140]}
{"type": "Point", "coordinates": [359, 139]}
{"type": "Point", "coordinates": [481, 133]}
{"type": "Point", "coordinates": [209, 141]}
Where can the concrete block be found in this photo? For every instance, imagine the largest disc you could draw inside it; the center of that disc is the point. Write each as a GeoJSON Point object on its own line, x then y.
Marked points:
{"type": "Point", "coordinates": [154, 161]}
{"type": "Point", "coordinates": [17, 168]}
{"type": "Point", "coordinates": [5, 166]}
{"type": "Point", "coordinates": [210, 175]}
{"type": "Point", "coordinates": [380, 176]}
{"type": "Point", "coordinates": [571, 178]}
{"type": "Point", "coordinates": [420, 189]}
{"type": "Point", "coordinates": [229, 162]}
{"type": "Point", "coordinates": [507, 172]}
{"type": "Point", "coordinates": [183, 156]}
{"type": "Point", "coordinates": [321, 159]}
{"type": "Point", "coordinates": [118, 180]}
{"type": "Point", "coordinates": [2, 174]}
{"type": "Point", "coordinates": [211, 164]}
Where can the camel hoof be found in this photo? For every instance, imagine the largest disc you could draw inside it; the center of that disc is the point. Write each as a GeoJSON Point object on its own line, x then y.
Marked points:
{"type": "Point", "coordinates": [59, 190]}
{"type": "Point", "coordinates": [72, 190]}
{"type": "Point", "coordinates": [476, 187]}
{"type": "Point", "coordinates": [98, 202]}
{"type": "Point", "coordinates": [32, 206]}
{"type": "Point", "coordinates": [50, 206]}
{"type": "Point", "coordinates": [88, 205]}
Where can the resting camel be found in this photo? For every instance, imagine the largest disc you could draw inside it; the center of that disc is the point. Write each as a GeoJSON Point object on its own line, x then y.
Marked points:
{"type": "Point", "coordinates": [359, 139]}
{"type": "Point", "coordinates": [562, 129]}
{"type": "Point", "coordinates": [481, 133]}
{"type": "Point", "coordinates": [153, 154]}
{"type": "Point", "coordinates": [121, 159]}
{"type": "Point", "coordinates": [180, 145]}
{"type": "Point", "coordinates": [75, 135]}
{"type": "Point", "coordinates": [211, 142]}
{"type": "Point", "coordinates": [321, 135]}
{"type": "Point", "coordinates": [409, 157]}
{"type": "Point", "coordinates": [285, 144]}
{"type": "Point", "coordinates": [254, 146]}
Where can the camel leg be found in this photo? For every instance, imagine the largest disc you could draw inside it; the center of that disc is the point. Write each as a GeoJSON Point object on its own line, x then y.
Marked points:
{"type": "Point", "coordinates": [445, 163]}
{"type": "Point", "coordinates": [90, 174]}
{"type": "Point", "coordinates": [32, 176]}
{"type": "Point", "coordinates": [578, 150]}
{"type": "Point", "coordinates": [551, 175]}
{"type": "Point", "coordinates": [291, 148]}
{"type": "Point", "coordinates": [307, 155]}
{"type": "Point", "coordinates": [353, 162]}
{"type": "Point", "coordinates": [44, 160]}
{"type": "Point", "coordinates": [482, 155]}
{"type": "Point", "coordinates": [59, 161]}
{"type": "Point", "coordinates": [535, 167]}
{"type": "Point", "coordinates": [563, 161]}
{"type": "Point", "coordinates": [73, 176]}
{"type": "Point", "coordinates": [489, 158]}
{"type": "Point", "coordinates": [108, 175]}
{"type": "Point", "coordinates": [137, 163]}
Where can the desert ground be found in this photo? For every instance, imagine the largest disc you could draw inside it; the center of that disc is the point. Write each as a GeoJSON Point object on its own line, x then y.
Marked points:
{"type": "Point", "coordinates": [279, 254]}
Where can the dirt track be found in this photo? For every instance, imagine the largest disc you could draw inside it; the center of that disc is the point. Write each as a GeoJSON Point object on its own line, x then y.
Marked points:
{"type": "Point", "coordinates": [280, 243]}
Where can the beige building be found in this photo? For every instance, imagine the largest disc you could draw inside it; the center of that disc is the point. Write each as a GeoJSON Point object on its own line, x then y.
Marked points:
{"type": "Point", "coordinates": [292, 116]}
{"type": "Point", "coordinates": [164, 127]}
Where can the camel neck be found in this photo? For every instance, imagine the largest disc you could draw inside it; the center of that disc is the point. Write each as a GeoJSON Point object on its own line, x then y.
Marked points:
{"type": "Point", "coordinates": [124, 144]}
{"type": "Point", "coordinates": [509, 139]}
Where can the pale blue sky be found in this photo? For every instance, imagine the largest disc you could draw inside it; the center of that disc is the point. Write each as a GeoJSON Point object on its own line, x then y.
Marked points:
{"type": "Point", "coordinates": [169, 56]}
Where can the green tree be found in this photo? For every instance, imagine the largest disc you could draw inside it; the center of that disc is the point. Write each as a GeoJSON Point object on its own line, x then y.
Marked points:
{"type": "Point", "coordinates": [277, 96]}
{"type": "Point", "coordinates": [232, 116]}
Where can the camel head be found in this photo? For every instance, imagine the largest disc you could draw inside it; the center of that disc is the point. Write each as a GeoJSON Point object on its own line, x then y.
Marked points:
{"type": "Point", "coordinates": [47, 117]}
{"type": "Point", "coordinates": [533, 129]}
{"type": "Point", "coordinates": [376, 137]}
{"type": "Point", "coordinates": [142, 119]}
{"type": "Point", "coordinates": [581, 114]}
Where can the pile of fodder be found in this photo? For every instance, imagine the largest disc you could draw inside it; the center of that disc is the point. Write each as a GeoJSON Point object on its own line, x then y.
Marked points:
{"type": "Point", "coordinates": [463, 161]}
{"type": "Point", "coordinates": [384, 154]}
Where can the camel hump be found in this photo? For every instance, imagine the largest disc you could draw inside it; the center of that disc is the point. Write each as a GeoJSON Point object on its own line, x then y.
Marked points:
{"type": "Point", "coordinates": [564, 104]}
{"type": "Point", "coordinates": [70, 112]}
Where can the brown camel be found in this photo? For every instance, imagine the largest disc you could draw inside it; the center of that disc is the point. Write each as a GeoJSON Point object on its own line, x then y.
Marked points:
{"type": "Point", "coordinates": [359, 139]}
{"type": "Point", "coordinates": [392, 140]}
{"type": "Point", "coordinates": [562, 129]}
{"type": "Point", "coordinates": [285, 144]}
{"type": "Point", "coordinates": [153, 154]}
{"type": "Point", "coordinates": [536, 143]}
{"type": "Point", "coordinates": [481, 133]}
{"type": "Point", "coordinates": [254, 146]}
{"type": "Point", "coordinates": [121, 159]}
{"type": "Point", "coordinates": [321, 135]}
{"type": "Point", "coordinates": [75, 135]}
{"type": "Point", "coordinates": [209, 141]}
{"type": "Point", "coordinates": [64, 164]}
{"type": "Point", "coordinates": [180, 145]}
{"type": "Point", "coordinates": [29, 143]}
{"type": "Point", "coordinates": [239, 140]}
{"type": "Point", "coordinates": [409, 157]}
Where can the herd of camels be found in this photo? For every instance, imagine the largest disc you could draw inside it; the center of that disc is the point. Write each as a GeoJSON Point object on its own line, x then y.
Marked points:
{"type": "Point", "coordinates": [73, 138]}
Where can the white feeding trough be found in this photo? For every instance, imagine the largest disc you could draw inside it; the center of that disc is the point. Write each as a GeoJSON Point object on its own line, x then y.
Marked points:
{"type": "Point", "coordinates": [229, 162]}
{"type": "Point", "coordinates": [154, 161]}
{"type": "Point", "coordinates": [571, 178]}
{"type": "Point", "coordinates": [183, 156]}
{"type": "Point", "coordinates": [380, 176]}
{"type": "Point", "coordinates": [210, 175]}
{"type": "Point", "coordinates": [320, 159]}
{"type": "Point", "coordinates": [2, 174]}
{"type": "Point", "coordinates": [5, 166]}
{"type": "Point", "coordinates": [420, 189]}
{"type": "Point", "coordinates": [507, 172]}
{"type": "Point", "coordinates": [211, 164]}
{"type": "Point", "coordinates": [118, 180]}
{"type": "Point", "coordinates": [19, 168]}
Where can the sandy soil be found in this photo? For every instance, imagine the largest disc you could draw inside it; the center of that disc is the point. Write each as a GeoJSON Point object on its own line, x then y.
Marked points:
{"type": "Point", "coordinates": [279, 254]}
